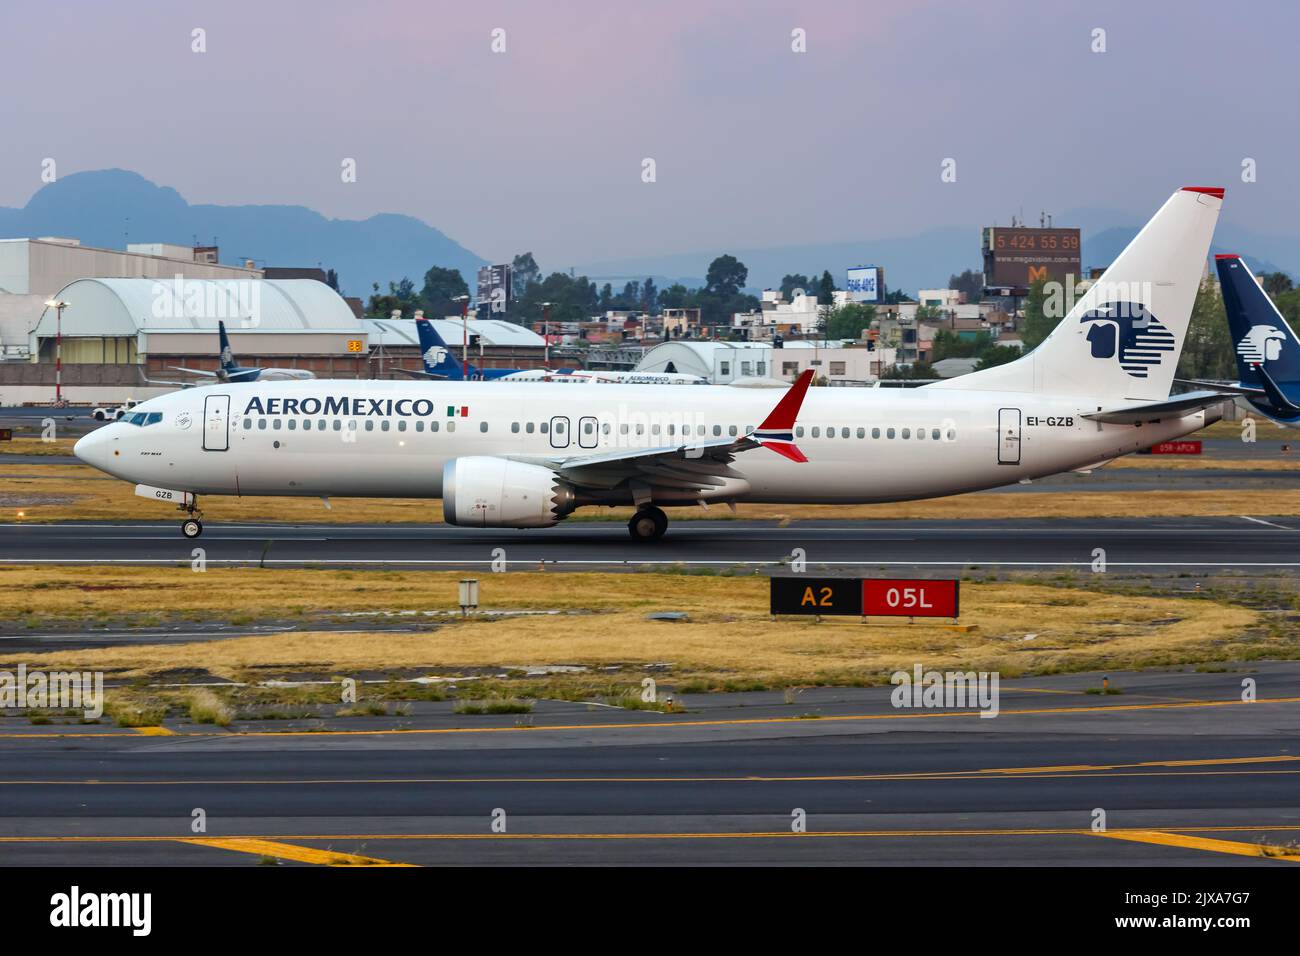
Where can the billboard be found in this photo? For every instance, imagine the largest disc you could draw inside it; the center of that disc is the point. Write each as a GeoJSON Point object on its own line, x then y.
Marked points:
{"type": "Point", "coordinates": [866, 284]}
{"type": "Point", "coordinates": [1016, 256]}
{"type": "Point", "coordinates": [494, 287]}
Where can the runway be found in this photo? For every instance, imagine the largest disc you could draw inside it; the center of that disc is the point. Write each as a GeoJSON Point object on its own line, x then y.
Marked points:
{"type": "Point", "coordinates": [1249, 544]}
{"type": "Point", "coordinates": [1180, 769]}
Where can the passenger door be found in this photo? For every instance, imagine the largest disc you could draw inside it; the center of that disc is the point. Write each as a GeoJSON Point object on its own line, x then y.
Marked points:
{"type": "Point", "coordinates": [560, 432]}
{"type": "Point", "coordinates": [1008, 436]}
{"type": "Point", "coordinates": [216, 423]}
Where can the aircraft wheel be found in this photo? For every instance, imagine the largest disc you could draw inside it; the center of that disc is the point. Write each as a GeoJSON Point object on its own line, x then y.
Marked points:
{"type": "Point", "coordinates": [192, 528]}
{"type": "Point", "coordinates": [648, 524]}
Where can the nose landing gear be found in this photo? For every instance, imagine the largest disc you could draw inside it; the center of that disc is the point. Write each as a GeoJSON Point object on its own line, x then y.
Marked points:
{"type": "Point", "coordinates": [648, 524]}
{"type": "Point", "coordinates": [192, 527]}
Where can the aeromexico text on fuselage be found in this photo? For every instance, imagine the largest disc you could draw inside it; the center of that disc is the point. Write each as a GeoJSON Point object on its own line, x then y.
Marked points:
{"type": "Point", "coordinates": [347, 405]}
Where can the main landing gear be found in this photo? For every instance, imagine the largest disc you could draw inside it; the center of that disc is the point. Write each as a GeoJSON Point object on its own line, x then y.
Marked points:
{"type": "Point", "coordinates": [192, 527]}
{"type": "Point", "coordinates": [648, 524]}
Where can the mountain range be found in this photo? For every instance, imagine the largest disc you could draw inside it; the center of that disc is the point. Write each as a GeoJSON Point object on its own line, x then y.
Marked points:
{"type": "Point", "coordinates": [106, 208]}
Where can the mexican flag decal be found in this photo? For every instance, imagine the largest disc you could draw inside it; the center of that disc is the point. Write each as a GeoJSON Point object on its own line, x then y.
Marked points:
{"type": "Point", "coordinates": [453, 411]}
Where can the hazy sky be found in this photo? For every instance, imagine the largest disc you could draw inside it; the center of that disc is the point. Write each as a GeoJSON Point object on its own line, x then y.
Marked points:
{"type": "Point", "coordinates": [540, 147]}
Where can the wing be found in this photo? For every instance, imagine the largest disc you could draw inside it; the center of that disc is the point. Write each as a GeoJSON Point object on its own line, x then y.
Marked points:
{"type": "Point", "coordinates": [1175, 407]}
{"type": "Point", "coordinates": [695, 467]}
{"type": "Point", "coordinates": [192, 371]}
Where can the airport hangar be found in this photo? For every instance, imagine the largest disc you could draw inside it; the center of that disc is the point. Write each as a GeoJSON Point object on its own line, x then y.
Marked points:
{"type": "Point", "coordinates": [132, 315]}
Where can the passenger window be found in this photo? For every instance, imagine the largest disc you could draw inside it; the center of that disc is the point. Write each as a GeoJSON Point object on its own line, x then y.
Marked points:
{"type": "Point", "coordinates": [934, 434]}
{"type": "Point", "coordinates": [731, 430]}
{"type": "Point", "coordinates": [844, 433]}
{"type": "Point", "coordinates": [248, 423]}
{"type": "Point", "coordinates": [401, 424]}
{"type": "Point", "coordinates": [320, 425]}
{"type": "Point", "coordinates": [889, 433]}
{"type": "Point", "coordinates": [907, 433]}
{"type": "Point", "coordinates": [293, 424]}
{"type": "Point", "coordinates": [275, 424]}
{"type": "Point", "coordinates": [352, 425]}
{"type": "Point", "coordinates": [434, 426]}
{"type": "Point", "coordinates": [529, 428]}
{"type": "Point", "coordinates": [817, 431]}
{"type": "Point", "coordinates": [384, 425]}
{"type": "Point", "coordinates": [306, 424]}
{"type": "Point", "coordinates": [952, 434]}
{"type": "Point", "coordinates": [338, 425]}
{"type": "Point", "coordinates": [261, 424]}
{"type": "Point", "coordinates": [654, 429]}
{"type": "Point", "coordinates": [717, 430]}
{"type": "Point", "coordinates": [514, 428]}
{"type": "Point", "coordinates": [622, 429]}
{"type": "Point", "coordinates": [604, 428]}
{"type": "Point", "coordinates": [482, 426]}
{"type": "Point", "coordinates": [587, 428]}
{"type": "Point", "coordinates": [370, 425]}
{"type": "Point", "coordinates": [451, 426]}
{"type": "Point", "coordinates": [875, 433]}
{"type": "Point", "coordinates": [862, 432]}
{"type": "Point", "coordinates": [419, 426]}
{"type": "Point", "coordinates": [798, 432]}
{"type": "Point", "coordinates": [544, 427]}
{"type": "Point", "coordinates": [670, 429]}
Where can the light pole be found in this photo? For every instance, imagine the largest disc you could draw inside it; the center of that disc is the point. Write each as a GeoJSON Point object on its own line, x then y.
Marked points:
{"type": "Point", "coordinates": [464, 335]}
{"type": "Point", "coordinates": [546, 334]}
{"type": "Point", "coordinates": [58, 305]}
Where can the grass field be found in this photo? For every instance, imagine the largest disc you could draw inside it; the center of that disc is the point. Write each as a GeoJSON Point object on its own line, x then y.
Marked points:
{"type": "Point", "coordinates": [1018, 627]}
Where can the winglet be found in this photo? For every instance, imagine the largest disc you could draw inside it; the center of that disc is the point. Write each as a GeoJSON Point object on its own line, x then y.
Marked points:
{"type": "Point", "coordinates": [777, 430]}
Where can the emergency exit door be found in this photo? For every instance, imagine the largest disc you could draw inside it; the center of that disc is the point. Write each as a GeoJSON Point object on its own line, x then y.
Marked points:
{"type": "Point", "coordinates": [1008, 436]}
{"type": "Point", "coordinates": [216, 423]}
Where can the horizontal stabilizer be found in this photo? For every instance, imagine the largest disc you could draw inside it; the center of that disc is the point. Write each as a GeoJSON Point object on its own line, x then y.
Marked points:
{"type": "Point", "coordinates": [1158, 411]}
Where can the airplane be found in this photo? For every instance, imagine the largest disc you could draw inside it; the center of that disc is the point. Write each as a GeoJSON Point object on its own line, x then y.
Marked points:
{"type": "Point", "coordinates": [526, 455]}
{"type": "Point", "coordinates": [441, 363]}
{"type": "Point", "coordinates": [231, 371]}
{"type": "Point", "coordinates": [1268, 353]}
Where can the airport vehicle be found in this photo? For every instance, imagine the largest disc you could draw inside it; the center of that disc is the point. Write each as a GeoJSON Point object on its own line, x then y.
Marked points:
{"type": "Point", "coordinates": [231, 371]}
{"type": "Point", "coordinates": [1268, 353]}
{"type": "Point", "coordinates": [108, 413]}
{"type": "Point", "coordinates": [526, 455]}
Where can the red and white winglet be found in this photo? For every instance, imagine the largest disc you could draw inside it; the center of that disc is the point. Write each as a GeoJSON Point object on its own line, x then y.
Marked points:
{"type": "Point", "coordinates": [777, 430]}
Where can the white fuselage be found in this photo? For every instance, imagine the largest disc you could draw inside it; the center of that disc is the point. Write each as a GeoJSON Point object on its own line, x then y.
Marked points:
{"type": "Point", "coordinates": [392, 438]}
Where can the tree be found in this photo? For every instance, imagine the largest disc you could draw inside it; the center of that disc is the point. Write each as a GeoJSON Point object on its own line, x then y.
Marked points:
{"type": "Point", "coordinates": [1275, 283]}
{"type": "Point", "coordinates": [649, 296]}
{"type": "Point", "coordinates": [1207, 347]}
{"type": "Point", "coordinates": [997, 355]}
{"type": "Point", "coordinates": [849, 321]}
{"type": "Point", "coordinates": [524, 273]}
{"type": "Point", "coordinates": [791, 282]}
{"type": "Point", "coordinates": [401, 297]}
{"type": "Point", "coordinates": [1036, 324]}
{"type": "Point", "coordinates": [969, 282]}
{"type": "Point", "coordinates": [826, 289]}
{"type": "Point", "coordinates": [441, 287]}
{"type": "Point", "coordinates": [676, 296]}
{"type": "Point", "coordinates": [726, 276]}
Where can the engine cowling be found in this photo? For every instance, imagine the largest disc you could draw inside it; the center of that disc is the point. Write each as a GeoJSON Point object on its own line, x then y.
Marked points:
{"type": "Point", "coordinates": [488, 492]}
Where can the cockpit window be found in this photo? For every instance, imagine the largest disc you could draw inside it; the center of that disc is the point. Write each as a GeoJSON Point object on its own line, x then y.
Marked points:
{"type": "Point", "coordinates": [141, 419]}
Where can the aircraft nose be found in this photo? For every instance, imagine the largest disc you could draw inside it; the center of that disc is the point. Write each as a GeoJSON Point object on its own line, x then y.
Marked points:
{"type": "Point", "coordinates": [95, 449]}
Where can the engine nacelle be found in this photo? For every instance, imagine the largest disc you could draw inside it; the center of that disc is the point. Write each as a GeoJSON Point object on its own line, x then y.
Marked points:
{"type": "Point", "coordinates": [488, 492]}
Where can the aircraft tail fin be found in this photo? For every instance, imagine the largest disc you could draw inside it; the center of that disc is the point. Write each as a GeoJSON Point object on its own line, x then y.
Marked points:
{"type": "Point", "coordinates": [1123, 337]}
{"type": "Point", "coordinates": [1267, 350]}
{"type": "Point", "coordinates": [228, 363]}
{"type": "Point", "coordinates": [438, 359]}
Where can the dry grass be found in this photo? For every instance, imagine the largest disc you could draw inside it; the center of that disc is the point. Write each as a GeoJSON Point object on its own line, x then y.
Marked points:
{"type": "Point", "coordinates": [1265, 431]}
{"type": "Point", "coordinates": [1208, 462]}
{"type": "Point", "coordinates": [22, 445]}
{"type": "Point", "coordinates": [1074, 629]}
{"type": "Point", "coordinates": [82, 494]}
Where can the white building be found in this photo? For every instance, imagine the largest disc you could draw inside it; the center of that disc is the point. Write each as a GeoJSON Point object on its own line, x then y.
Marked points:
{"type": "Point", "coordinates": [802, 316]}
{"type": "Point", "coordinates": [725, 363]}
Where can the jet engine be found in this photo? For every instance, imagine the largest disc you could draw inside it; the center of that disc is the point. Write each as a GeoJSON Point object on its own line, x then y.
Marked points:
{"type": "Point", "coordinates": [487, 492]}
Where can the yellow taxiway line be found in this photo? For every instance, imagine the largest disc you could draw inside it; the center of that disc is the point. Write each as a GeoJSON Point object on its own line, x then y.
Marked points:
{"type": "Point", "coordinates": [287, 851]}
{"type": "Point", "coordinates": [1163, 838]}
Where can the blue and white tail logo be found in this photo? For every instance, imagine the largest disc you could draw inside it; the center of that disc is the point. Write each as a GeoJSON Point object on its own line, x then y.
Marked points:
{"type": "Point", "coordinates": [1263, 343]}
{"type": "Point", "coordinates": [1128, 332]}
{"type": "Point", "coordinates": [435, 355]}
